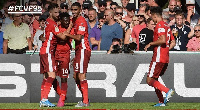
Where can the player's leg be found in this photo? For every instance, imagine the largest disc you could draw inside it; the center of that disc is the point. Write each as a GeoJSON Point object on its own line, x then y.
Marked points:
{"type": "Point", "coordinates": [63, 95]}
{"type": "Point", "coordinates": [45, 75]}
{"type": "Point", "coordinates": [48, 64]}
{"type": "Point", "coordinates": [84, 60]}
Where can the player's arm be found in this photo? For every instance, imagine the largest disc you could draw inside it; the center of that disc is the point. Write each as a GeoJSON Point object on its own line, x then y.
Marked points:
{"type": "Point", "coordinates": [172, 44]}
{"type": "Point", "coordinates": [160, 41]}
{"type": "Point", "coordinates": [75, 37]}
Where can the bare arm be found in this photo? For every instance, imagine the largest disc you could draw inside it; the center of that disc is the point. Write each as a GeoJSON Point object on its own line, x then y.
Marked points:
{"type": "Point", "coordinates": [93, 41]}
{"type": "Point", "coordinates": [5, 46]}
{"type": "Point", "coordinates": [127, 36]}
{"type": "Point", "coordinates": [160, 41]}
{"type": "Point", "coordinates": [29, 43]}
{"type": "Point", "coordinates": [189, 49]}
{"type": "Point", "coordinates": [191, 33]}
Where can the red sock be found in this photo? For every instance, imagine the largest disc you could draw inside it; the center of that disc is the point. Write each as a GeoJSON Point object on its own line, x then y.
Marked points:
{"type": "Point", "coordinates": [47, 87]}
{"type": "Point", "coordinates": [56, 87]}
{"type": "Point", "coordinates": [42, 88]}
{"type": "Point", "coordinates": [63, 90]}
{"type": "Point", "coordinates": [84, 89]}
{"type": "Point", "coordinates": [159, 95]}
{"type": "Point", "coordinates": [157, 85]}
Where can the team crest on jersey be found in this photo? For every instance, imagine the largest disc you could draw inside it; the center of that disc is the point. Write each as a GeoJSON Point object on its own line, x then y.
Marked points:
{"type": "Point", "coordinates": [56, 29]}
{"type": "Point", "coordinates": [81, 28]}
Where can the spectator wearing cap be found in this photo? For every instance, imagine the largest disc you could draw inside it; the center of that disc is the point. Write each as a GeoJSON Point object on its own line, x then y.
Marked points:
{"type": "Point", "coordinates": [102, 6]}
{"type": "Point", "coordinates": [124, 4]}
{"type": "Point", "coordinates": [85, 6]}
{"type": "Point", "coordinates": [108, 2]}
{"type": "Point", "coordinates": [1, 37]}
{"type": "Point", "coordinates": [37, 42]}
{"type": "Point", "coordinates": [110, 30]}
{"type": "Point", "coordinates": [191, 16]}
{"type": "Point", "coordinates": [136, 29]}
{"type": "Point", "coordinates": [20, 33]}
{"type": "Point", "coordinates": [63, 7]}
{"type": "Point", "coordinates": [130, 12]}
{"type": "Point", "coordinates": [113, 5]}
{"type": "Point", "coordinates": [95, 33]}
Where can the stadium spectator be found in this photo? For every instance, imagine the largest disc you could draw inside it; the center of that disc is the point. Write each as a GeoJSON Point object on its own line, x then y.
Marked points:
{"type": "Point", "coordinates": [35, 25]}
{"type": "Point", "coordinates": [115, 46]}
{"type": "Point", "coordinates": [85, 7]}
{"type": "Point", "coordinates": [63, 7]}
{"type": "Point", "coordinates": [20, 33]}
{"type": "Point", "coordinates": [128, 38]}
{"type": "Point", "coordinates": [153, 3]}
{"type": "Point", "coordinates": [146, 35]}
{"type": "Point", "coordinates": [144, 10]}
{"type": "Point", "coordinates": [191, 16]}
{"type": "Point", "coordinates": [160, 57]}
{"type": "Point", "coordinates": [37, 42]}
{"type": "Point", "coordinates": [165, 16]}
{"type": "Point", "coordinates": [194, 43]}
{"type": "Point", "coordinates": [181, 32]}
{"type": "Point", "coordinates": [95, 33]}
{"type": "Point", "coordinates": [137, 29]}
{"type": "Point", "coordinates": [143, 2]}
{"type": "Point", "coordinates": [124, 4]}
{"type": "Point", "coordinates": [179, 3]}
{"type": "Point", "coordinates": [110, 30]}
{"type": "Point", "coordinates": [102, 6]}
{"type": "Point", "coordinates": [1, 37]}
{"type": "Point", "coordinates": [130, 7]}
{"type": "Point", "coordinates": [32, 3]}
{"type": "Point", "coordinates": [113, 5]}
{"type": "Point", "coordinates": [118, 17]}
{"type": "Point", "coordinates": [108, 2]}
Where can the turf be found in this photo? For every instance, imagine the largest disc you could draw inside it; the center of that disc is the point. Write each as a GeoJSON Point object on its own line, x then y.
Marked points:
{"type": "Point", "coordinates": [145, 106]}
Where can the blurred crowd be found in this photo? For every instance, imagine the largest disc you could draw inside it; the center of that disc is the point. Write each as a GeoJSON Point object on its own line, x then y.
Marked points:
{"type": "Point", "coordinates": [111, 26]}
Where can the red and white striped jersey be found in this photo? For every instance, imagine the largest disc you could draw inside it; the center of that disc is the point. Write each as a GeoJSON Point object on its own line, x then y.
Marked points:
{"type": "Point", "coordinates": [161, 52]}
{"type": "Point", "coordinates": [80, 27]}
{"type": "Point", "coordinates": [51, 30]}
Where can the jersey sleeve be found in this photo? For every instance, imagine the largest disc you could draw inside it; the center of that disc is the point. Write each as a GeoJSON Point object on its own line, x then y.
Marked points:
{"type": "Point", "coordinates": [82, 27]}
{"type": "Point", "coordinates": [161, 29]}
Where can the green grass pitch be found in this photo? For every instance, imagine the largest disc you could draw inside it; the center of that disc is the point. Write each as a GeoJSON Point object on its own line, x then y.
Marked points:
{"type": "Point", "coordinates": [108, 106]}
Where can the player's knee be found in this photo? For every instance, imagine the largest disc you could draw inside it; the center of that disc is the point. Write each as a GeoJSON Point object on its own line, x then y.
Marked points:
{"type": "Point", "coordinates": [82, 76]}
{"type": "Point", "coordinates": [63, 80]}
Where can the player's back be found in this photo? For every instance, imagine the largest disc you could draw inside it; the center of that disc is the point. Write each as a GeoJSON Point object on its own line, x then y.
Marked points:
{"type": "Point", "coordinates": [161, 52]}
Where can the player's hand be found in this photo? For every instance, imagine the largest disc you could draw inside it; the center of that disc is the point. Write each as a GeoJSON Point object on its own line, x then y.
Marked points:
{"type": "Point", "coordinates": [147, 46]}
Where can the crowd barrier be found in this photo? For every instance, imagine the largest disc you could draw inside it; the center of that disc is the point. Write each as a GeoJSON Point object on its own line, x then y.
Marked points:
{"type": "Point", "coordinates": [111, 78]}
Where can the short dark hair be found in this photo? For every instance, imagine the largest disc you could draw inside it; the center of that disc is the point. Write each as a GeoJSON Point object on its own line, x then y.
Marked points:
{"type": "Point", "coordinates": [92, 9]}
{"type": "Point", "coordinates": [179, 13]}
{"type": "Point", "coordinates": [52, 6]}
{"type": "Point", "coordinates": [114, 3]}
{"type": "Point", "coordinates": [32, 1]}
{"type": "Point", "coordinates": [156, 10]}
{"type": "Point", "coordinates": [65, 14]}
{"type": "Point", "coordinates": [76, 4]}
{"type": "Point", "coordinates": [116, 40]}
{"type": "Point", "coordinates": [148, 20]}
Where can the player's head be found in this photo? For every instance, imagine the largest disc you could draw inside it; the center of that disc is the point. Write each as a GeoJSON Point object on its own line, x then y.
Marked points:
{"type": "Point", "coordinates": [156, 14]}
{"type": "Point", "coordinates": [64, 19]}
{"type": "Point", "coordinates": [76, 9]}
{"type": "Point", "coordinates": [54, 11]}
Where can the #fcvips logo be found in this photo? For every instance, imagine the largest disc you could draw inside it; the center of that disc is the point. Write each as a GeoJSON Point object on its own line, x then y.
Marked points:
{"type": "Point", "coordinates": [25, 9]}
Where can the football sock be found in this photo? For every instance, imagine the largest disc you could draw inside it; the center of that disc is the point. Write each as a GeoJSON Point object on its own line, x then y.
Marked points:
{"type": "Point", "coordinates": [84, 89]}
{"type": "Point", "coordinates": [157, 85]}
{"type": "Point", "coordinates": [56, 86]}
{"type": "Point", "coordinates": [159, 95]}
{"type": "Point", "coordinates": [63, 90]}
{"type": "Point", "coordinates": [42, 88]}
{"type": "Point", "coordinates": [47, 87]}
